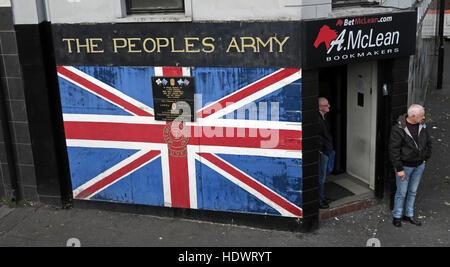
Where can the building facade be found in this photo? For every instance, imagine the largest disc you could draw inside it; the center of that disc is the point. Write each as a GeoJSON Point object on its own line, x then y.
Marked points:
{"type": "Point", "coordinates": [204, 109]}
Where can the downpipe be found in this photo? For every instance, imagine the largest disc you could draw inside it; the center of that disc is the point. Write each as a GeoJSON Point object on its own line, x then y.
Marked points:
{"type": "Point", "coordinates": [441, 45]}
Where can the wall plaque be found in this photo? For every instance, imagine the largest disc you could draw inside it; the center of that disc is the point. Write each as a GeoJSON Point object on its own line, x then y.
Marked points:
{"type": "Point", "coordinates": [173, 98]}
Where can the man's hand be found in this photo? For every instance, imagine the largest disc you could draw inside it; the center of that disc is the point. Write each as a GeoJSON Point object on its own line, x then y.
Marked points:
{"type": "Point", "coordinates": [402, 175]}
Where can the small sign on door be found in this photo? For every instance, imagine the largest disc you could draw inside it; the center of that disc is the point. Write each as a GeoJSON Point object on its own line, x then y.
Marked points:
{"type": "Point", "coordinates": [360, 99]}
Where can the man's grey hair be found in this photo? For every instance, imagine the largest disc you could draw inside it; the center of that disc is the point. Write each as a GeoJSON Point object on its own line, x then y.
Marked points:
{"type": "Point", "coordinates": [322, 99]}
{"type": "Point", "coordinates": [414, 110]}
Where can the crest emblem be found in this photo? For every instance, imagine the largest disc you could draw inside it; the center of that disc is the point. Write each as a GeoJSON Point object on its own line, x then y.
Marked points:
{"type": "Point", "coordinates": [175, 138]}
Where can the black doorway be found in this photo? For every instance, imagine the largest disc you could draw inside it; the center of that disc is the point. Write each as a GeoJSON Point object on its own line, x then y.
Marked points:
{"type": "Point", "coordinates": [333, 86]}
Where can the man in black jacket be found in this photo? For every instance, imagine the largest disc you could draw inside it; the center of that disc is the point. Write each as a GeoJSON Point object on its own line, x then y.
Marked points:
{"type": "Point", "coordinates": [409, 149]}
{"type": "Point", "coordinates": [326, 146]}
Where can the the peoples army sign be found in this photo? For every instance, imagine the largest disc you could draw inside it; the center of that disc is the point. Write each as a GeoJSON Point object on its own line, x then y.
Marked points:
{"type": "Point", "coordinates": [238, 44]}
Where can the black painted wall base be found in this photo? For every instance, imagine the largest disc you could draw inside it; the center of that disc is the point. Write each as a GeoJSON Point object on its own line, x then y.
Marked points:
{"type": "Point", "coordinates": [36, 54]}
{"type": "Point", "coordinates": [233, 218]}
{"type": "Point", "coordinates": [310, 148]}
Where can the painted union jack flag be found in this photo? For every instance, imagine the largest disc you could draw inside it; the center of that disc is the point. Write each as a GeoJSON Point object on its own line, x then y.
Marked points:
{"type": "Point", "coordinates": [242, 153]}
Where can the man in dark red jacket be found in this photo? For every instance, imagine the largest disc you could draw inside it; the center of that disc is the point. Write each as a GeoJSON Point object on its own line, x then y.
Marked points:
{"type": "Point", "coordinates": [409, 149]}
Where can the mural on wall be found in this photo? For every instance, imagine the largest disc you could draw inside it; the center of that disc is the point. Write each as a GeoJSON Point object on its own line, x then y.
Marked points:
{"type": "Point", "coordinates": [241, 153]}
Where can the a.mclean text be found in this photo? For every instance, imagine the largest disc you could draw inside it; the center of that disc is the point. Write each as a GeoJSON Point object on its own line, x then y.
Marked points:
{"type": "Point", "coordinates": [360, 40]}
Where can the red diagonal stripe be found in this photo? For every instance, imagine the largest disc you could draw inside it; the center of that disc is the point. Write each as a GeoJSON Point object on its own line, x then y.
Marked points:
{"type": "Point", "coordinates": [104, 93]}
{"type": "Point", "coordinates": [118, 174]}
{"type": "Point", "coordinates": [253, 184]}
{"type": "Point", "coordinates": [233, 98]}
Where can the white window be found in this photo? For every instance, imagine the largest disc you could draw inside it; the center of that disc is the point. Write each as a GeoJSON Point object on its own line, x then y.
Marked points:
{"type": "Point", "coordinates": [155, 11]}
{"type": "Point", "coordinates": [155, 6]}
{"type": "Point", "coordinates": [338, 3]}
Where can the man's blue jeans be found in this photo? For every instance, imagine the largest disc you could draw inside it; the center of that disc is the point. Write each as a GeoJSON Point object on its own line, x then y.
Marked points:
{"type": "Point", "coordinates": [323, 163]}
{"type": "Point", "coordinates": [407, 189]}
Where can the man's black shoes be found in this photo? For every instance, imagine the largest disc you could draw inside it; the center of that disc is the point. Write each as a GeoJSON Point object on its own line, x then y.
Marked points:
{"type": "Point", "coordinates": [397, 222]}
{"type": "Point", "coordinates": [325, 204]}
{"type": "Point", "coordinates": [412, 220]}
